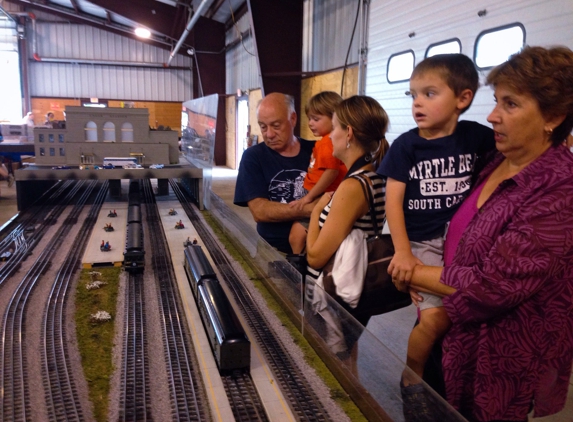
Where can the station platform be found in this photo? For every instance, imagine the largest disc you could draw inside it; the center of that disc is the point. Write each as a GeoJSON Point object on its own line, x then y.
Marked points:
{"type": "Point", "coordinates": [93, 256]}
{"type": "Point", "coordinates": [273, 400]}
{"type": "Point", "coordinates": [34, 180]}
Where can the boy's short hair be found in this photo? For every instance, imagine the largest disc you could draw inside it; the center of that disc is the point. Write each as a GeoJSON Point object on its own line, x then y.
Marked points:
{"type": "Point", "coordinates": [457, 70]}
{"type": "Point", "coordinates": [323, 103]}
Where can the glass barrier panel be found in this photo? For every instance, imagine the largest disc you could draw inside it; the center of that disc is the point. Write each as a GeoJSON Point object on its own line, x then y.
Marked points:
{"type": "Point", "coordinates": [374, 355]}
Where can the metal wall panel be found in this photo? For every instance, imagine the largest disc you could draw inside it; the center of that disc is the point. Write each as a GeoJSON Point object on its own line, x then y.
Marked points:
{"type": "Point", "coordinates": [242, 65]}
{"type": "Point", "coordinates": [81, 42]}
{"type": "Point", "coordinates": [330, 35]}
{"type": "Point", "coordinates": [8, 34]}
{"type": "Point", "coordinates": [393, 21]}
{"type": "Point", "coordinates": [110, 82]}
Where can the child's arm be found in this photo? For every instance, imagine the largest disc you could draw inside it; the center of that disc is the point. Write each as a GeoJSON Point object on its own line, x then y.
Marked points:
{"type": "Point", "coordinates": [403, 263]}
{"type": "Point", "coordinates": [318, 189]}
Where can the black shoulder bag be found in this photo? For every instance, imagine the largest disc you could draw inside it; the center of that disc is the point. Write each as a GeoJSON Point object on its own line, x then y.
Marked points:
{"type": "Point", "coordinates": [379, 295]}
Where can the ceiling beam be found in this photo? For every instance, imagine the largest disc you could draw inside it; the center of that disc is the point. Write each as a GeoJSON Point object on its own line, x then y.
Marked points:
{"type": "Point", "coordinates": [154, 15]}
{"type": "Point", "coordinates": [241, 11]}
{"type": "Point", "coordinates": [75, 6]}
{"type": "Point", "coordinates": [213, 8]}
{"type": "Point", "coordinates": [83, 18]}
{"type": "Point", "coordinates": [278, 46]}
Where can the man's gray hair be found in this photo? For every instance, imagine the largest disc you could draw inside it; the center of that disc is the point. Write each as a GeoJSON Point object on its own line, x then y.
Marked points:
{"type": "Point", "coordinates": [289, 100]}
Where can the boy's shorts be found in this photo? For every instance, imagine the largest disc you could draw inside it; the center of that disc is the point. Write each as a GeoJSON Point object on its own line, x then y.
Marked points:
{"type": "Point", "coordinates": [430, 252]}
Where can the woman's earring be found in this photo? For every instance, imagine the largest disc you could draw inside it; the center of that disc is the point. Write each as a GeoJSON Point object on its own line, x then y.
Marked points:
{"type": "Point", "coordinates": [548, 130]}
{"type": "Point", "coordinates": [347, 145]}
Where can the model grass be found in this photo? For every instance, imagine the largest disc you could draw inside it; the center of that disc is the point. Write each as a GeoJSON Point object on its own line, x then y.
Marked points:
{"type": "Point", "coordinates": [95, 339]}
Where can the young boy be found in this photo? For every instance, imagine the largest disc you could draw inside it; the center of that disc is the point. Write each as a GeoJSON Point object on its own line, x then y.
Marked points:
{"type": "Point", "coordinates": [325, 172]}
{"type": "Point", "coordinates": [428, 170]}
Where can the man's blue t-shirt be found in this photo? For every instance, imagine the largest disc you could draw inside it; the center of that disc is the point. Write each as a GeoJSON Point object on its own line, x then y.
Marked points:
{"type": "Point", "coordinates": [437, 174]}
{"type": "Point", "coordinates": [264, 173]}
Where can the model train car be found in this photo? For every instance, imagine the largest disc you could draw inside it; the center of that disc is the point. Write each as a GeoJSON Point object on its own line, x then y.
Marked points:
{"type": "Point", "coordinates": [229, 343]}
{"type": "Point", "coordinates": [134, 254]}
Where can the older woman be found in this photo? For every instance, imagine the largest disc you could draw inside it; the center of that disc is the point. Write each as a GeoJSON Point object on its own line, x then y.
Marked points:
{"type": "Point", "coordinates": [509, 285]}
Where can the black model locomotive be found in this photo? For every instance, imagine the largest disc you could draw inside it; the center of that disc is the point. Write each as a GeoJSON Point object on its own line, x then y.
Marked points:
{"type": "Point", "coordinates": [229, 343]}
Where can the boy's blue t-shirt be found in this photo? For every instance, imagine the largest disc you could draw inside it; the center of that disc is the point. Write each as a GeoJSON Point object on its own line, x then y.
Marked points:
{"type": "Point", "coordinates": [437, 174]}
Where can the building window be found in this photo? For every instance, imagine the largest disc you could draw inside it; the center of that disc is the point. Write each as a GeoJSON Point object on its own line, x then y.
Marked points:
{"type": "Point", "coordinates": [61, 138]}
{"type": "Point", "coordinates": [51, 137]}
{"type": "Point", "coordinates": [42, 152]}
{"type": "Point", "coordinates": [445, 47]}
{"type": "Point", "coordinates": [494, 46]}
{"type": "Point", "coordinates": [126, 132]}
{"type": "Point", "coordinates": [52, 152]}
{"type": "Point", "coordinates": [41, 137]}
{"type": "Point", "coordinates": [108, 132]}
{"type": "Point", "coordinates": [91, 132]}
{"type": "Point", "coordinates": [400, 66]}
{"type": "Point", "coordinates": [62, 152]}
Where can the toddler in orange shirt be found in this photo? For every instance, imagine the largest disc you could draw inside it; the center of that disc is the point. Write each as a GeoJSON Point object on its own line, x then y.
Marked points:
{"type": "Point", "coordinates": [325, 172]}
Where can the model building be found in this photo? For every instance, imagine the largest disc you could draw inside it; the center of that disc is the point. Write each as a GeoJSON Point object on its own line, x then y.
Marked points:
{"type": "Point", "coordinates": [89, 135]}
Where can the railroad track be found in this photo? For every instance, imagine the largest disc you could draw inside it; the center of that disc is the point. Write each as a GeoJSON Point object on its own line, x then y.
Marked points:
{"type": "Point", "coordinates": [14, 398]}
{"type": "Point", "coordinates": [302, 399]}
{"type": "Point", "coordinates": [135, 401]}
{"type": "Point", "coordinates": [243, 397]}
{"type": "Point", "coordinates": [61, 396]}
{"type": "Point", "coordinates": [185, 382]}
{"type": "Point", "coordinates": [16, 230]}
{"type": "Point", "coordinates": [187, 401]}
{"type": "Point", "coordinates": [23, 244]}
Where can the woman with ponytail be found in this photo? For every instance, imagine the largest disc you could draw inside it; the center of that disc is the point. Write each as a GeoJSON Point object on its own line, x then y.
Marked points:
{"type": "Point", "coordinates": [358, 139]}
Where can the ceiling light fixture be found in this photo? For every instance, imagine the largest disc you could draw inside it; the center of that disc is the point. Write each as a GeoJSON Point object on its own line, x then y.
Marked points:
{"type": "Point", "coordinates": [142, 32]}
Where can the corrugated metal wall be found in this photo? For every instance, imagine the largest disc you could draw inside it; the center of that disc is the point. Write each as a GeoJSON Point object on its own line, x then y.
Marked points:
{"type": "Point", "coordinates": [392, 22]}
{"type": "Point", "coordinates": [325, 43]}
{"type": "Point", "coordinates": [332, 25]}
{"type": "Point", "coordinates": [81, 42]}
{"type": "Point", "coordinates": [242, 65]}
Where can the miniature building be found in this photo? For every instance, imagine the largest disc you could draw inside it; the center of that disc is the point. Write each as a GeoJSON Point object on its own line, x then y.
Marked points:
{"type": "Point", "coordinates": [91, 134]}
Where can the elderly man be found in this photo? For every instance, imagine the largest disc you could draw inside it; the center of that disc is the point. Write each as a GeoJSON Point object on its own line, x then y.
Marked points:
{"type": "Point", "coordinates": [271, 173]}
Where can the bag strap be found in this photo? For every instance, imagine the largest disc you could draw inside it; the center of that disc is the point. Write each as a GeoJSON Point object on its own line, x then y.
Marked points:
{"type": "Point", "coordinates": [364, 182]}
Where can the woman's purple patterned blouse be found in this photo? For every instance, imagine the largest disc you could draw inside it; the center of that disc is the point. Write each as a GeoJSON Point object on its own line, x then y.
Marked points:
{"type": "Point", "coordinates": [511, 342]}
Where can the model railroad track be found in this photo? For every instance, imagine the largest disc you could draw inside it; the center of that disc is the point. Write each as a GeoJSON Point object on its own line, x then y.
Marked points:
{"type": "Point", "coordinates": [135, 401]}
{"type": "Point", "coordinates": [240, 389]}
{"type": "Point", "coordinates": [27, 219]}
{"type": "Point", "coordinates": [14, 397]}
{"type": "Point", "coordinates": [303, 401]}
{"type": "Point", "coordinates": [62, 400]}
{"type": "Point", "coordinates": [23, 244]}
{"type": "Point", "coordinates": [187, 400]}
{"type": "Point", "coordinates": [243, 397]}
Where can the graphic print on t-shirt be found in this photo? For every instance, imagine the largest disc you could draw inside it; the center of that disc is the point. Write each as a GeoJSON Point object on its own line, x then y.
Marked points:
{"type": "Point", "coordinates": [312, 161]}
{"type": "Point", "coordinates": [442, 182]}
{"type": "Point", "coordinates": [286, 186]}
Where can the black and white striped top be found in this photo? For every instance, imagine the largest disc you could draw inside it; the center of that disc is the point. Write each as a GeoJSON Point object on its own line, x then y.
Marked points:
{"type": "Point", "coordinates": [365, 222]}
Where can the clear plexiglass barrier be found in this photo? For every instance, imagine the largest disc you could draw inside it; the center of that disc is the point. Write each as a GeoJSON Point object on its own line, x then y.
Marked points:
{"type": "Point", "coordinates": [373, 355]}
